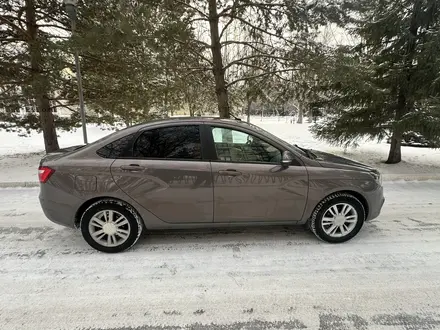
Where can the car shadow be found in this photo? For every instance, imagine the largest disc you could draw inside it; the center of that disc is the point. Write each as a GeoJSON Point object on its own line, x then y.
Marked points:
{"type": "Point", "coordinates": [68, 241]}
{"type": "Point", "coordinates": [231, 236]}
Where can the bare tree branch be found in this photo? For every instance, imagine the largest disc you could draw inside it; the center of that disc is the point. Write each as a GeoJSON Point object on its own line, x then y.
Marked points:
{"type": "Point", "coordinates": [197, 19]}
{"type": "Point", "coordinates": [196, 53]}
{"type": "Point", "coordinates": [14, 26]}
{"type": "Point", "coordinates": [226, 27]}
{"type": "Point", "coordinates": [204, 44]}
{"type": "Point", "coordinates": [259, 29]}
{"type": "Point", "coordinates": [250, 65]}
{"type": "Point", "coordinates": [231, 19]}
{"type": "Point", "coordinates": [259, 75]}
{"type": "Point", "coordinates": [46, 15]}
{"type": "Point", "coordinates": [63, 105]}
{"type": "Point", "coordinates": [54, 26]}
{"type": "Point", "coordinates": [201, 13]}
{"type": "Point", "coordinates": [241, 60]}
{"type": "Point", "coordinates": [250, 43]}
{"type": "Point", "coordinates": [225, 11]}
{"type": "Point", "coordinates": [10, 40]}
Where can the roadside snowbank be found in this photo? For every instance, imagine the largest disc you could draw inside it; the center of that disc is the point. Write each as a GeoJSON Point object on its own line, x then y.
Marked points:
{"type": "Point", "coordinates": [418, 163]}
{"type": "Point", "coordinates": [19, 156]}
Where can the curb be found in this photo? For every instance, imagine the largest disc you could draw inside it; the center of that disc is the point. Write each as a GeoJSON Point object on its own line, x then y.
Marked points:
{"type": "Point", "coordinates": [410, 177]}
{"type": "Point", "coordinates": [27, 184]}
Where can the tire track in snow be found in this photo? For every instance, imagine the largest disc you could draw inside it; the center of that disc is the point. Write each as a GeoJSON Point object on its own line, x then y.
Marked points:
{"type": "Point", "coordinates": [261, 278]}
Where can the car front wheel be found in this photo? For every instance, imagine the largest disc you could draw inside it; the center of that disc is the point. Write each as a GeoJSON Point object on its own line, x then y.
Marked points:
{"type": "Point", "coordinates": [110, 226]}
{"type": "Point", "coordinates": [338, 218]}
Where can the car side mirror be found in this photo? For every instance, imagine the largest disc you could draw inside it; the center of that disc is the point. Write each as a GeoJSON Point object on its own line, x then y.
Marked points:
{"type": "Point", "coordinates": [287, 159]}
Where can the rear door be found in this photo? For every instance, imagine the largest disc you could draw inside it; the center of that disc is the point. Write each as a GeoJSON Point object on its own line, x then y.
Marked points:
{"type": "Point", "coordinates": [250, 185]}
{"type": "Point", "coordinates": [167, 174]}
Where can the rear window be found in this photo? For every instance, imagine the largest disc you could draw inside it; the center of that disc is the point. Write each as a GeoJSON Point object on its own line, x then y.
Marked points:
{"type": "Point", "coordinates": [178, 142]}
{"type": "Point", "coordinates": [118, 148]}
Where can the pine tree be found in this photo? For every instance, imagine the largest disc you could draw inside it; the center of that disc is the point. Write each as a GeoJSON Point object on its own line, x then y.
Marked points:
{"type": "Point", "coordinates": [389, 83]}
{"type": "Point", "coordinates": [242, 31]}
{"type": "Point", "coordinates": [131, 63]}
{"type": "Point", "coordinates": [31, 61]}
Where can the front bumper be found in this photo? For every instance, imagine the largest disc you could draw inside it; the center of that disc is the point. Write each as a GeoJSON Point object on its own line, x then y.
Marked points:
{"type": "Point", "coordinates": [375, 201]}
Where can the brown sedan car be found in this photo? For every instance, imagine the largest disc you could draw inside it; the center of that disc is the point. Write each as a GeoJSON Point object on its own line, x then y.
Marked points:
{"type": "Point", "coordinates": [203, 172]}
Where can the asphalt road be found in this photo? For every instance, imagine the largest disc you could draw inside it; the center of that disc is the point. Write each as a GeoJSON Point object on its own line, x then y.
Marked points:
{"type": "Point", "coordinates": [388, 277]}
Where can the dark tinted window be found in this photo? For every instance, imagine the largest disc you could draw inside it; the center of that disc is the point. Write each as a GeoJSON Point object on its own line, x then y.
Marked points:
{"type": "Point", "coordinates": [179, 142]}
{"type": "Point", "coordinates": [117, 148]}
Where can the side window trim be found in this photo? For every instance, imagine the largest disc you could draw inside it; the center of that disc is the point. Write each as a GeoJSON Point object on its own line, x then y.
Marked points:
{"type": "Point", "coordinates": [208, 147]}
{"type": "Point", "coordinates": [142, 131]}
{"type": "Point", "coordinates": [214, 158]}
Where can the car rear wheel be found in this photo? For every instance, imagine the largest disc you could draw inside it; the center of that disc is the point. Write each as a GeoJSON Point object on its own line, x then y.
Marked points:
{"type": "Point", "coordinates": [338, 218]}
{"type": "Point", "coordinates": [110, 226]}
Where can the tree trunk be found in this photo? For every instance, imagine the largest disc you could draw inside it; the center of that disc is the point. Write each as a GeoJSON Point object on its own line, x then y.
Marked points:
{"type": "Point", "coordinates": [310, 115]}
{"type": "Point", "coordinates": [126, 117]}
{"type": "Point", "coordinates": [217, 62]}
{"type": "Point", "coordinates": [40, 83]}
{"type": "Point", "coordinates": [395, 155]}
{"type": "Point", "coordinates": [47, 124]}
{"type": "Point", "coordinates": [165, 105]}
{"type": "Point", "coordinates": [405, 102]}
{"type": "Point", "coordinates": [248, 110]}
{"type": "Point", "coordinates": [300, 114]}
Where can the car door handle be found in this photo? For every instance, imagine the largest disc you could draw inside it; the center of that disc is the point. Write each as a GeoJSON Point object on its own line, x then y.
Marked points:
{"type": "Point", "coordinates": [132, 168]}
{"type": "Point", "coordinates": [229, 172]}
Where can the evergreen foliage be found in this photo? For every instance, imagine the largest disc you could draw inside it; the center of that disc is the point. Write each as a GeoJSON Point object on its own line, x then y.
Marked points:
{"type": "Point", "coordinates": [388, 84]}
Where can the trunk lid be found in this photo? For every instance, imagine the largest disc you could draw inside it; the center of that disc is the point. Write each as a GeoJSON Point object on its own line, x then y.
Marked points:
{"type": "Point", "coordinates": [59, 153]}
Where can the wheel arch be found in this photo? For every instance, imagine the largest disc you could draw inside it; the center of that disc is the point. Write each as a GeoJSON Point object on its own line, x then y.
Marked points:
{"type": "Point", "coordinates": [83, 208]}
{"type": "Point", "coordinates": [361, 199]}
{"type": "Point", "coordinates": [355, 194]}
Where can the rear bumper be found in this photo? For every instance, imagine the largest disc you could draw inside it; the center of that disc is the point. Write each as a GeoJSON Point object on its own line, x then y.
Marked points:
{"type": "Point", "coordinates": [58, 206]}
{"type": "Point", "coordinates": [375, 201]}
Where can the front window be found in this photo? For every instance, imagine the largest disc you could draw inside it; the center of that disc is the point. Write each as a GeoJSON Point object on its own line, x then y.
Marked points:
{"type": "Point", "coordinates": [236, 146]}
{"type": "Point", "coordinates": [178, 142]}
{"type": "Point", "coordinates": [299, 150]}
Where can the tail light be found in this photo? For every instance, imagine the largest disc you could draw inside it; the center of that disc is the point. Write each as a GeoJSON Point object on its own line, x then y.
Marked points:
{"type": "Point", "coordinates": [44, 173]}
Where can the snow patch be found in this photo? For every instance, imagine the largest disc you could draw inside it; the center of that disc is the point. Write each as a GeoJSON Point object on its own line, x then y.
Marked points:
{"type": "Point", "coordinates": [20, 156]}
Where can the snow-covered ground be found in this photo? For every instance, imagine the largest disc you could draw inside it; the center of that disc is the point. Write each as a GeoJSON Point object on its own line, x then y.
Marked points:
{"type": "Point", "coordinates": [388, 277]}
{"type": "Point", "coordinates": [417, 162]}
{"type": "Point", "coordinates": [19, 156]}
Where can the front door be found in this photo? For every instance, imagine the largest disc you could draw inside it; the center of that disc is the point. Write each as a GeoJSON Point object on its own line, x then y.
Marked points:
{"type": "Point", "coordinates": [249, 182]}
{"type": "Point", "coordinates": [167, 175]}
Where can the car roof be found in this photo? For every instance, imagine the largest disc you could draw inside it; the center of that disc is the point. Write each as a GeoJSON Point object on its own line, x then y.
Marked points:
{"type": "Point", "coordinates": [175, 120]}
{"type": "Point", "coordinates": [163, 122]}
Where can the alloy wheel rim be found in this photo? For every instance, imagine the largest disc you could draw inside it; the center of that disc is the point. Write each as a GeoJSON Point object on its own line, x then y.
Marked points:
{"type": "Point", "coordinates": [339, 220]}
{"type": "Point", "coordinates": [109, 228]}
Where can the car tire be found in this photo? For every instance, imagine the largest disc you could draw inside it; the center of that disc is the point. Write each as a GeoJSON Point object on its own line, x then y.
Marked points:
{"type": "Point", "coordinates": [332, 228]}
{"type": "Point", "coordinates": [111, 226]}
